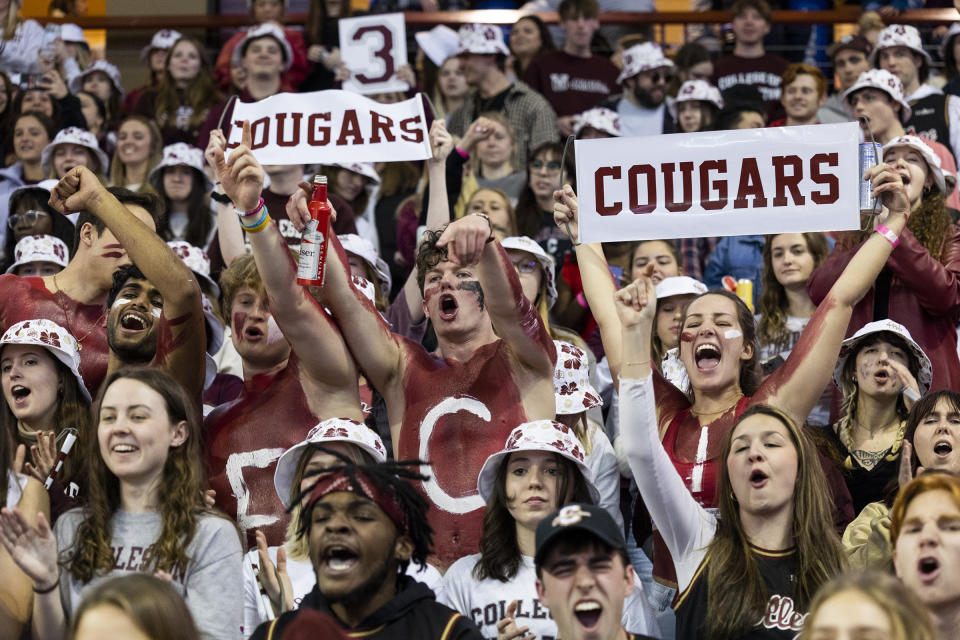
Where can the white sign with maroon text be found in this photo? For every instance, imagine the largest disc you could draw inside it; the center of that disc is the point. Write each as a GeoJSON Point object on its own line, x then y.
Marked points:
{"type": "Point", "coordinates": [331, 126]}
{"type": "Point", "coordinates": [373, 48]}
{"type": "Point", "coordinates": [719, 183]}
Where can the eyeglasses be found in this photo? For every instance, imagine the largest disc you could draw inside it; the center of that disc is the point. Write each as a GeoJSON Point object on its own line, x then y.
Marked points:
{"type": "Point", "coordinates": [658, 76]}
{"type": "Point", "coordinates": [552, 166]}
{"type": "Point", "coordinates": [525, 267]}
{"type": "Point", "coordinates": [27, 217]}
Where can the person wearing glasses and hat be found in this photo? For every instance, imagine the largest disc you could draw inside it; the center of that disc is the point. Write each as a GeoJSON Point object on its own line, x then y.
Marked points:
{"type": "Point", "coordinates": [642, 108]}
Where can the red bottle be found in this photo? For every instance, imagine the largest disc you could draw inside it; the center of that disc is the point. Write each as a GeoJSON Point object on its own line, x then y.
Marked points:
{"type": "Point", "coordinates": [313, 241]}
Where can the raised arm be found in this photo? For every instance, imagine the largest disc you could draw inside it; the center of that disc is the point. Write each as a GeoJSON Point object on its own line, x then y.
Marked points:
{"type": "Point", "coordinates": [312, 333]}
{"type": "Point", "coordinates": [229, 232]}
{"type": "Point", "coordinates": [182, 301]}
{"type": "Point", "coordinates": [469, 241]}
{"type": "Point", "coordinates": [685, 526]}
{"type": "Point", "coordinates": [797, 385]}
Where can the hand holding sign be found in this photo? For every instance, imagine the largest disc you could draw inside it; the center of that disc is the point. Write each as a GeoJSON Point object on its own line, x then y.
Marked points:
{"type": "Point", "coordinates": [565, 208]}
{"type": "Point", "coordinates": [373, 48]}
{"type": "Point", "coordinates": [241, 175]}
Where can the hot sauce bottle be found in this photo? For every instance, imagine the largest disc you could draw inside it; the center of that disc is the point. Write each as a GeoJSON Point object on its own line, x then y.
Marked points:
{"type": "Point", "coordinates": [313, 241]}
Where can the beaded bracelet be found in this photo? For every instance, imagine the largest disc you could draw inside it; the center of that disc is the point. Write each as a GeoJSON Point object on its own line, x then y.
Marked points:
{"type": "Point", "coordinates": [261, 223]}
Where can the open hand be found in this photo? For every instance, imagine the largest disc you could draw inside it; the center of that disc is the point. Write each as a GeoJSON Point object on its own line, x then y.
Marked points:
{"type": "Point", "coordinates": [43, 455]}
{"type": "Point", "coordinates": [274, 579]}
{"type": "Point", "coordinates": [34, 549]}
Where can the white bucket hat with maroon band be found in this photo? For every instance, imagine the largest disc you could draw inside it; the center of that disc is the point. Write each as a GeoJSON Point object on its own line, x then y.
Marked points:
{"type": "Point", "coordinates": [696, 90]}
{"type": "Point", "coordinates": [924, 373]}
{"type": "Point", "coordinates": [197, 260]}
{"type": "Point", "coordinates": [547, 265]}
{"type": "Point", "coordinates": [76, 82]}
{"type": "Point", "coordinates": [52, 337]}
{"type": "Point", "coordinates": [366, 169]}
{"type": "Point", "coordinates": [162, 40]}
{"type": "Point", "coordinates": [363, 248]}
{"type": "Point", "coordinates": [77, 136]}
{"type": "Point", "coordinates": [327, 432]}
{"type": "Point", "coordinates": [540, 435]}
{"type": "Point", "coordinates": [179, 153]}
{"type": "Point", "coordinates": [39, 248]}
{"type": "Point", "coordinates": [599, 118]}
{"type": "Point", "coordinates": [572, 389]}
{"type": "Point", "coordinates": [680, 286]}
{"type": "Point", "coordinates": [944, 180]}
{"type": "Point", "coordinates": [265, 30]}
{"type": "Point", "coordinates": [899, 35]}
{"type": "Point", "coordinates": [882, 80]}
{"type": "Point", "coordinates": [643, 57]}
{"type": "Point", "coordinates": [438, 43]}
{"type": "Point", "coordinates": [481, 39]}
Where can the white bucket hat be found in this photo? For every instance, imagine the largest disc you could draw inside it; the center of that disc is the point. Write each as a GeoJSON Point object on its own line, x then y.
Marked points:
{"type": "Point", "coordinates": [52, 337]}
{"type": "Point", "coordinates": [540, 435]}
{"type": "Point", "coordinates": [899, 35]}
{"type": "Point", "coordinates": [163, 40]}
{"type": "Point", "coordinates": [73, 34]}
{"type": "Point", "coordinates": [76, 82]}
{"type": "Point", "coordinates": [197, 260]}
{"type": "Point", "coordinates": [572, 389]}
{"type": "Point", "coordinates": [365, 169]}
{"type": "Point", "coordinates": [697, 90]}
{"type": "Point", "coordinates": [39, 248]}
{"type": "Point", "coordinates": [882, 80]}
{"type": "Point", "coordinates": [327, 432]}
{"type": "Point", "coordinates": [363, 248]}
{"type": "Point", "coordinates": [438, 43]}
{"type": "Point", "coordinates": [547, 265]}
{"type": "Point", "coordinates": [481, 39]}
{"type": "Point", "coordinates": [642, 57]}
{"type": "Point", "coordinates": [179, 153]}
{"type": "Point", "coordinates": [680, 286]}
{"type": "Point", "coordinates": [944, 180]}
{"type": "Point", "coordinates": [77, 136]}
{"type": "Point", "coordinates": [924, 374]}
{"type": "Point", "coordinates": [599, 118]}
{"type": "Point", "coordinates": [267, 29]}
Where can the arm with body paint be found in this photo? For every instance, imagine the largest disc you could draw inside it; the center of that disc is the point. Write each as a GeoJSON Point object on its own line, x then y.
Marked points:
{"type": "Point", "coordinates": [312, 333]}
{"type": "Point", "coordinates": [182, 301]}
{"type": "Point", "coordinates": [797, 386]}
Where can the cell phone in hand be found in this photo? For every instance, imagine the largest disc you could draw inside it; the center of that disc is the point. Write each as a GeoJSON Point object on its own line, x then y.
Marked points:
{"type": "Point", "coordinates": [51, 33]}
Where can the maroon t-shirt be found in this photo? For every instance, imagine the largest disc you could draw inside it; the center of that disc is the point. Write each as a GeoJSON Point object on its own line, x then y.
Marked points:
{"type": "Point", "coordinates": [28, 298]}
{"type": "Point", "coordinates": [764, 72]}
{"type": "Point", "coordinates": [572, 84]}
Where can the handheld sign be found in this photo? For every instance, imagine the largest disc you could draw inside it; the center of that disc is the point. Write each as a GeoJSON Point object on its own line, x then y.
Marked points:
{"type": "Point", "coordinates": [719, 183]}
{"type": "Point", "coordinates": [327, 126]}
{"type": "Point", "coordinates": [373, 48]}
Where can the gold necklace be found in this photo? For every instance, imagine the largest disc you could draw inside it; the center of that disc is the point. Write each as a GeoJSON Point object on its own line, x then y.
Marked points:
{"type": "Point", "coordinates": [719, 411]}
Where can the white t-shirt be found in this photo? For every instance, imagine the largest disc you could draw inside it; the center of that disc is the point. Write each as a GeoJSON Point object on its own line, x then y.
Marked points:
{"type": "Point", "coordinates": [486, 601]}
{"type": "Point", "coordinates": [639, 121]}
{"type": "Point", "coordinates": [16, 483]}
{"type": "Point", "coordinates": [257, 609]}
{"type": "Point", "coordinates": [602, 462]}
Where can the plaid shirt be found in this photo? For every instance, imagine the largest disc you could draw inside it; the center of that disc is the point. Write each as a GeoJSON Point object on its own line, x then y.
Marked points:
{"type": "Point", "coordinates": [696, 253]}
{"type": "Point", "coordinates": [531, 115]}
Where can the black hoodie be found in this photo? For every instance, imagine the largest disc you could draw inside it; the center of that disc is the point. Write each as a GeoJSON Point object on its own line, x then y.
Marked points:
{"type": "Point", "coordinates": [412, 613]}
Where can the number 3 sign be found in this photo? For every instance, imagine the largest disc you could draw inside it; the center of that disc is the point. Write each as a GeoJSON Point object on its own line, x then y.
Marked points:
{"type": "Point", "coordinates": [373, 48]}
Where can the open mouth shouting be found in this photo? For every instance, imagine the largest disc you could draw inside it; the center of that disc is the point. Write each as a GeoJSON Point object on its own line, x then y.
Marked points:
{"type": "Point", "coordinates": [928, 569]}
{"type": "Point", "coordinates": [707, 356]}
{"type": "Point", "coordinates": [19, 393]}
{"type": "Point", "coordinates": [587, 613]}
{"type": "Point", "coordinates": [448, 307]}
{"type": "Point", "coordinates": [942, 449]}
{"type": "Point", "coordinates": [338, 559]}
{"type": "Point", "coordinates": [758, 479]}
{"type": "Point", "coordinates": [133, 321]}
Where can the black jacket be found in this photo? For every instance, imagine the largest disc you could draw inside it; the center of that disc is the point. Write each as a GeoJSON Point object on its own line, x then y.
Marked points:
{"type": "Point", "coordinates": [412, 613]}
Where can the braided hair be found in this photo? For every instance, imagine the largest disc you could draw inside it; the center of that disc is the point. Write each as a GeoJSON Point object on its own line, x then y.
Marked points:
{"type": "Point", "coordinates": [393, 478]}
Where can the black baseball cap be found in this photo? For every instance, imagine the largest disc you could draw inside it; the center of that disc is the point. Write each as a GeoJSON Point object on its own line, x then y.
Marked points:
{"type": "Point", "coordinates": [854, 42]}
{"type": "Point", "coordinates": [578, 517]}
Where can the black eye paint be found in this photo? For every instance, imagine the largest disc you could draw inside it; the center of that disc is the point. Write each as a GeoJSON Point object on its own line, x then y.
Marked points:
{"type": "Point", "coordinates": [474, 286]}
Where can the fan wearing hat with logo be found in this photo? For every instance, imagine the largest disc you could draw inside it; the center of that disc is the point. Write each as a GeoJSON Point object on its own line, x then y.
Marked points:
{"type": "Point", "coordinates": [297, 469]}
{"type": "Point", "coordinates": [645, 76]}
{"type": "Point", "coordinates": [541, 468]}
{"type": "Point", "coordinates": [919, 286]}
{"type": "Point", "coordinates": [484, 54]}
{"type": "Point", "coordinates": [39, 255]}
{"type": "Point", "coordinates": [935, 116]}
{"type": "Point", "coordinates": [73, 147]}
{"type": "Point", "coordinates": [877, 95]}
{"type": "Point", "coordinates": [30, 214]}
{"type": "Point", "coordinates": [102, 79]}
{"type": "Point", "coordinates": [155, 55]}
{"type": "Point", "coordinates": [43, 396]}
{"type": "Point", "coordinates": [881, 372]}
{"type": "Point", "coordinates": [184, 189]}
{"type": "Point", "coordinates": [696, 106]}
{"type": "Point", "coordinates": [583, 574]}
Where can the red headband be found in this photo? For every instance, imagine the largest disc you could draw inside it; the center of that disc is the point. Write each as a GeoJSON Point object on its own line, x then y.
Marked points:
{"type": "Point", "coordinates": [359, 483]}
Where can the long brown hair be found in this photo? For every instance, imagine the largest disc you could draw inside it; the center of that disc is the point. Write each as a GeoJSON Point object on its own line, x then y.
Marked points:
{"type": "Point", "coordinates": [118, 170]}
{"type": "Point", "coordinates": [736, 593]}
{"type": "Point", "coordinates": [500, 556]}
{"type": "Point", "coordinates": [180, 495]}
{"type": "Point", "coordinates": [929, 223]}
{"type": "Point", "coordinates": [924, 406]}
{"type": "Point", "coordinates": [200, 95]}
{"type": "Point", "coordinates": [772, 328]}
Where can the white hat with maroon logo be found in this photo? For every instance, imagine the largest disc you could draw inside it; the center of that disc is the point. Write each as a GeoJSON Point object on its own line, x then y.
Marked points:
{"type": "Point", "coordinates": [177, 154]}
{"type": "Point", "coordinates": [899, 35]}
{"type": "Point", "coordinates": [52, 337]}
{"type": "Point", "coordinates": [599, 118]}
{"type": "Point", "coordinates": [642, 57]}
{"type": "Point", "coordinates": [161, 40]}
{"type": "Point", "coordinates": [482, 39]}
{"type": "Point", "coordinates": [540, 435]}
{"type": "Point", "coordinates": [572, 389]}
{"type": "Point", "coordinates": [265, 30]}
{"type": "Point", "coordinates": [881, 80]}
{"type": "Point", "coordinates": [39, 248]}
{"type": "Point", "coordinates": [79, 137]}
{"type": "Point", "coordinates": [327, 432]}
{"type": "Point", "coordinates": [364, 249]}
{"type": "Point", "coordinates": [944, 180]}
{"type": "Point", "coordinates": [76, 82]}
{"type": "Point", "coordinates": [546, 263]}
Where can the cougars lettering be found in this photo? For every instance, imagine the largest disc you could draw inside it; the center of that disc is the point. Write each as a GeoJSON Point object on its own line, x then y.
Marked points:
{"type": "Point", "coordinates": [344, 129]}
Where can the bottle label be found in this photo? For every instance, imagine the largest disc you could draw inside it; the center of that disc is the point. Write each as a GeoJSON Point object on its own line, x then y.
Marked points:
{"type": "Point", "coordinates": [308, 264]}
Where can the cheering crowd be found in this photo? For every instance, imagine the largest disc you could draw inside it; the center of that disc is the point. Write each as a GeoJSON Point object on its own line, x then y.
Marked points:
{"type": "Point", "coordinates": [477, 426]}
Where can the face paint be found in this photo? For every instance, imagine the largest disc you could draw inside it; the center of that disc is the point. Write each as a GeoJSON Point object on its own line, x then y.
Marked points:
{"type": "Point", "coordinates": [155, 312]}
{"type": "Point", "coordinates": [731, 334]}
{"type": "Point", "coordinates": [474, 286]}
{"type": "Point", "coordinates": [239, 319]}
{"type": "Point", "coordinates": [120, 301]}
{"type": "Point", "coordinates": [273, 331]}
{"type": "Point", "coordinates": [113, 254]}
{"type": "Point", "coordinates": [687, 336]}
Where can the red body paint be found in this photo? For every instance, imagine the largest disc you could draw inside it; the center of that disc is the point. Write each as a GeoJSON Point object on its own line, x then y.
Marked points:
{"type": "Point", "coordinates": [112, 254]}
{"type": "Point", "coordinates": [239, 319]}
{"type": "Point", "coordinates": [687, 336]}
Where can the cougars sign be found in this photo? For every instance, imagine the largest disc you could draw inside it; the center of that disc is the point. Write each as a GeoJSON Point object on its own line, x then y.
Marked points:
{"type": "Point", "coordinates": [719, 183]}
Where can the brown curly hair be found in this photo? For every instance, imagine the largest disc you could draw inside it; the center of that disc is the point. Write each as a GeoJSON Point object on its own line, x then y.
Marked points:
{"type": "Point", "coordinates": [429, 254]}
{"type": "Point", "coordinates": [180, 497]}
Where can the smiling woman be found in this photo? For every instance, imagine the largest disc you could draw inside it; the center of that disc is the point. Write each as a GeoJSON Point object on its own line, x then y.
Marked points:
{"type": "Point", "coordinates": [145, 512]}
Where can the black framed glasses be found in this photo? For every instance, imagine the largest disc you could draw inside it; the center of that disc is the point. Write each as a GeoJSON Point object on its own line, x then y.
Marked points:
{"type": "Point", "coordinates": [27, 217]}
{"type": "Point", "coordinates": [552, 166]}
